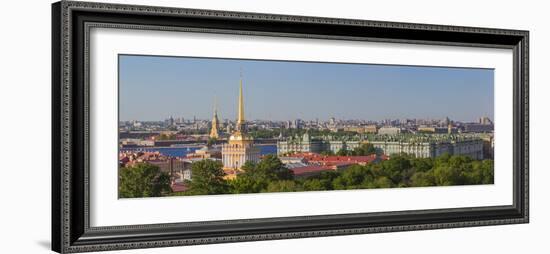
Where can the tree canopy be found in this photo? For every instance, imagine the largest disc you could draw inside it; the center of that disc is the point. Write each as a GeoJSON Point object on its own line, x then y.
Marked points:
{"type": "Point", "coordinates": [257, 177]}
{"type": "Point", "coordinates": [271, 175]}
{"type": "Point", "coordinates": [143, 180]}
{"type": "Point", "coordinates": [207, 178]}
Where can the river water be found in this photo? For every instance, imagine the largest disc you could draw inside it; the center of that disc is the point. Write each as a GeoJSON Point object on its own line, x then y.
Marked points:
{"type": "Point", "coordinates": [182, 151]}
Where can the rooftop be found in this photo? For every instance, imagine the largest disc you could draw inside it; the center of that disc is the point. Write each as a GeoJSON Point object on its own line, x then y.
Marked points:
{"type": "Point", "coordinates": [402, 137]}
{"type": "Point", "coordinates": [333, 160]}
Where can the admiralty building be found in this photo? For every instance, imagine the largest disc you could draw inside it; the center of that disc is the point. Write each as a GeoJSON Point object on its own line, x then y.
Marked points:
{"type": "Point", "coordinates": [240, 146]}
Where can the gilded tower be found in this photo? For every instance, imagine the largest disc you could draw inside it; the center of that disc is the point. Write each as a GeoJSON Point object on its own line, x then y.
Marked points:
{"type": "Point", "coordinates": [215, 123]}
{"type": "Point", "coordinates": [240, 147]}
{"type": "Point", "coordinates": [240, 118]}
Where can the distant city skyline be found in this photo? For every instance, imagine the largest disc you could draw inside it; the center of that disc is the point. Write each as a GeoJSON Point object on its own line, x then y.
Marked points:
{"type": "Point", "coordinates": [153, 88]}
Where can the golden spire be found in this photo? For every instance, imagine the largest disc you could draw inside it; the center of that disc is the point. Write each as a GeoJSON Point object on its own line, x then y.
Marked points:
{"type": "Point", "coordinates": [216, 106]}
{"type": "Point", "coordinates": [240, 119]}
{"type": "Point", "coordinates": [241, 125]}
{"type": "Point", "coordinates": [215, 121]}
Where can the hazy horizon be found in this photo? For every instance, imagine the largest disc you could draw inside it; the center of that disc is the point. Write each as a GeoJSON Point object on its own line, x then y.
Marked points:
{"type": "Point", "coordinates": [153, 88]}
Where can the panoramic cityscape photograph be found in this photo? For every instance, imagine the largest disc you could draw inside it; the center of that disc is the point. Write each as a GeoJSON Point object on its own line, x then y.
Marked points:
{"type": "Point", "coordinates": [206, 126]}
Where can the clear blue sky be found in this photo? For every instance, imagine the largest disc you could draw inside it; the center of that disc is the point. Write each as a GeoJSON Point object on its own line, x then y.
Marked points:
{"type": "Point", "coordinates": [154, 88]}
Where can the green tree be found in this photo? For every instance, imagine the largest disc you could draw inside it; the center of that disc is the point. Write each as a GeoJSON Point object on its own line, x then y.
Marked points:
{"type": "Point", "coordinates": [327, 153]}
{"type": "Point", "coordinates": [327, 178]}
{"type": "Point", "coordinates": [207, 178]}
{"type": "Point", "coordinates": [249, 166]}
{"type": "Point", "coordinates": [246, 184]}
{"type": "Point", "coordinates": [422, 164]}
{"type": "Point", "coordinates": [143, 180]}
{"type": "Point", "coordinates": [442, 160]}
{"type": "Point", "coordinates": [379, 182]}
{"type": "Point", "coordinates": [383, 182]}
{"type": "Point", "coordinates": [270, 168]}
{"type": "Point", "coordinates": [339, 183]}
{"type": "Point", "coordinates": [355, 175]}
{"type": "Point", "coordinates": [394, 168]}
{"type": "Point", "coordinates": [270, 175]}
{"type": "Point", "coordinates": [257, 177]}
{"type": "Point", "coordinates": [314, 185]}
{"type": "Point", "coordinates": [282, 186]}
{"type": "Point", "coordinates": [481, 172]}
{"type": "Point", "coordinates": [487, 172]}
{"type": "Point", "coordinates": [364, 149]}
{"type": "Point", "coordinates": [423, 179]}
{"type": "Point", "coordinates": [445, 175]}
{"type": "Point", "coordinates": [342, 152]}
{"type": "Point", "coordinates": [251, 181]}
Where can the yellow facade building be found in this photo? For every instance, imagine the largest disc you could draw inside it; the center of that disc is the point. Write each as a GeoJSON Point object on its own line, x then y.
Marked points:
{"type": "Point", "coordinates": [240, 146]}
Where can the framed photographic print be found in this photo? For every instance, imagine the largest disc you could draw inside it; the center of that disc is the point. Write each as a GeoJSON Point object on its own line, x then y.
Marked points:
{"type": "Point", "coordinates": [181, 126]}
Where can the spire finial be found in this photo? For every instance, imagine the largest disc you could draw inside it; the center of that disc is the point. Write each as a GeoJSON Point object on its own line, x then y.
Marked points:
{"type": "Point", "coordinates": [215, 103]}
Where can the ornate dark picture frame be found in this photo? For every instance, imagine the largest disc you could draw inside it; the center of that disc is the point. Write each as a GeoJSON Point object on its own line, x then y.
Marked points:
{"type": "Point", "coordinates": [71, 22]}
